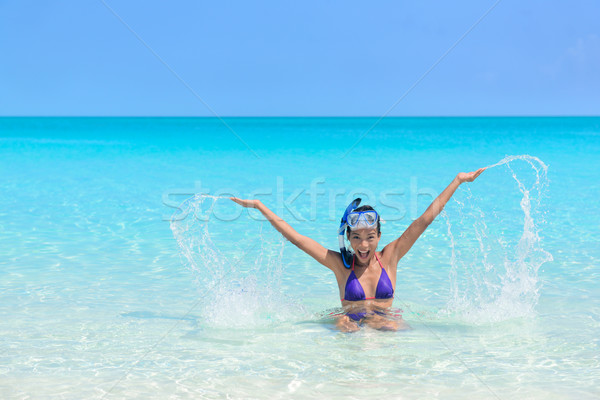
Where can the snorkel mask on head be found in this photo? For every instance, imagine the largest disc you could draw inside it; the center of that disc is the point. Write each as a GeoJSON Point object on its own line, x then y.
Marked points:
{"type": "Point", "coordinates": [354, 220]}
{"type": "Point", "coordinates": [362, 219]}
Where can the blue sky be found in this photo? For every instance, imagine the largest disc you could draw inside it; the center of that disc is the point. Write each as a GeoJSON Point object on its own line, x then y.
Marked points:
{"type": "Point", "coordinates": [309, 58]}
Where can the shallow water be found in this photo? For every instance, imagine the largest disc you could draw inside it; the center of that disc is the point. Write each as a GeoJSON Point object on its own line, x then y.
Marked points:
{"type": "Point", "coordinates": [94, 288]}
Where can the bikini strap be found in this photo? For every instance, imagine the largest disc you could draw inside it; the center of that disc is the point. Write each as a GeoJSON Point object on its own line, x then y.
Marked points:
{"type": "Point", "coordinates": [380, 264]}
{"type": "Point", "coordinates": [353, 261]}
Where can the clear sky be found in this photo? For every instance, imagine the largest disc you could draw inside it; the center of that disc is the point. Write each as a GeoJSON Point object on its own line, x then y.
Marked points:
{"type": "Point", "coordinates": [303, 58]}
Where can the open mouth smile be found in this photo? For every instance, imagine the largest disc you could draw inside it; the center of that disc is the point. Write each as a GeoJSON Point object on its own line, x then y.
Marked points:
{"type": "Point", "coordinates": [363, 254]}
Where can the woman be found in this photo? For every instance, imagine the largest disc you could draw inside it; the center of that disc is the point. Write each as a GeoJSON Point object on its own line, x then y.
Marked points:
{"type": "Point", "coordinates": [367, 286]}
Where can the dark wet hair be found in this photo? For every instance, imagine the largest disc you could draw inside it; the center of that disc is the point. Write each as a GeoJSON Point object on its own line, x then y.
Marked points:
{"type": "Point", "coordinates": [366, 208]}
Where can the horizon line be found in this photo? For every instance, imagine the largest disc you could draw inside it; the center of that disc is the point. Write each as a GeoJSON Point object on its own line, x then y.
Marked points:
{"type": "Point", "coordinates": [304, 116]}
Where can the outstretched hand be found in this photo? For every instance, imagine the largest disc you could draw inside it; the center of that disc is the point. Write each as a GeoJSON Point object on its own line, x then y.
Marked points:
{"type": "Point", "coordinates": [469, 176]}
{"type": "Point", "coordinates": [246, 203]}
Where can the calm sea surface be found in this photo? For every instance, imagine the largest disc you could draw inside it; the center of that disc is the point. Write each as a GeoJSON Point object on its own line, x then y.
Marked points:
{"type": "Point", "coordinates": [125, 273]}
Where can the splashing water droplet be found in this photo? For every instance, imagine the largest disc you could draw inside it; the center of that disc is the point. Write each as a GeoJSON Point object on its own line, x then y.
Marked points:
{"type": "Point", "coordinates": [237, 268]}
{"type": "Point", "coordinates": [496, 255]}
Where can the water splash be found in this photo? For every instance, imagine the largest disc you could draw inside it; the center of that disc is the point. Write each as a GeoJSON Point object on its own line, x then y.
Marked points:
{"type": "Point", "coordinates": [237, 268]}
{"type": "Point", "coordinates": [494, 273]}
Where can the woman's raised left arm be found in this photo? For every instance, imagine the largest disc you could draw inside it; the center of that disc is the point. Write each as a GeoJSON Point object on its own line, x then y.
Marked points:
{"type": "Point", "coordinates": [400, 246]}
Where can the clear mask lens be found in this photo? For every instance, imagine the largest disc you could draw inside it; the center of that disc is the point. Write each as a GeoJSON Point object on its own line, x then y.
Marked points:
{"type": "Point", "coordinates": [362, 218]}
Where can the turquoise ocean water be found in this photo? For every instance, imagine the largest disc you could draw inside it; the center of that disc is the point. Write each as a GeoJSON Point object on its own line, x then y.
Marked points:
{"type": "Point", "coordinates": [125, 274]}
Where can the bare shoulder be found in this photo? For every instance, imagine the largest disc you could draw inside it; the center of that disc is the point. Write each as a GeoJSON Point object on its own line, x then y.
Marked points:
{"type": "Point", "coordinates": [334, 262]}
{"type": "Point", "coordinates": [389, 257]}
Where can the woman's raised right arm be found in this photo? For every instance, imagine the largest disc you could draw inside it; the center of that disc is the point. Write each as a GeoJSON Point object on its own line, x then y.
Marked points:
{"type": "Point", "coordinates": [330, 259]}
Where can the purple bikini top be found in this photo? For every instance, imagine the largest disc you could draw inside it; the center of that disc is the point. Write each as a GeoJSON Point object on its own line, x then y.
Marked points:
{"type": "Point", "coordinates": [355, 292]}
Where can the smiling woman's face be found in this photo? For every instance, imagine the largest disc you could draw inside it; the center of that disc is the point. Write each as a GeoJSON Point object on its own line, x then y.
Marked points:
{"type": "Point", "coordinates": [364, 243]}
